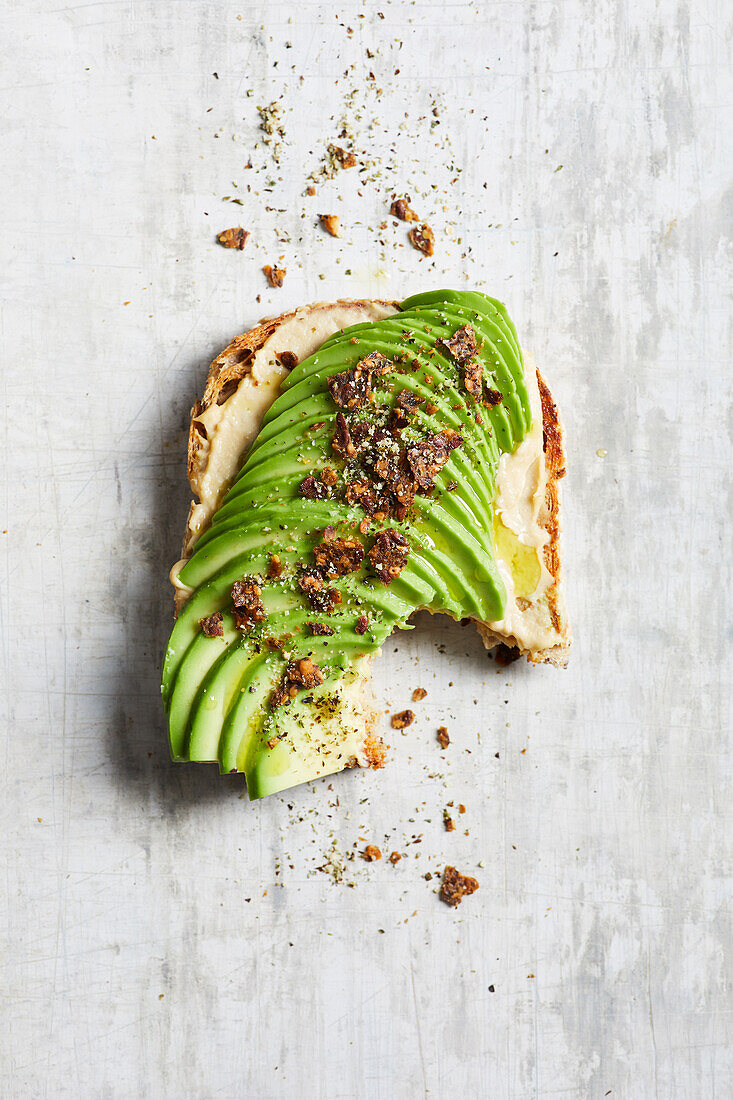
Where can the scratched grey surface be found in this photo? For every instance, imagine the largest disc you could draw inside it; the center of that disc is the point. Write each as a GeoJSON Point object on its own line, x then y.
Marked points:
{"type": "Point", "coordinates": [166, 938]}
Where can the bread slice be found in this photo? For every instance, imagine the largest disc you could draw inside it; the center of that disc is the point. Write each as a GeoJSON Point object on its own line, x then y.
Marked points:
{"type": "Point", "coordinates": [242, 383]}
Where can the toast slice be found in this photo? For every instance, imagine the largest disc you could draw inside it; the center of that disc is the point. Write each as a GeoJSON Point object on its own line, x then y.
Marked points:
{"type": "Point", "coordinates": [243, 382]}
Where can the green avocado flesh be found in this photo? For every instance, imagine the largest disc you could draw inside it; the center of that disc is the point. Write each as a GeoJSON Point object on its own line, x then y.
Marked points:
{"type": "Point", "coordinates": [220, 692]}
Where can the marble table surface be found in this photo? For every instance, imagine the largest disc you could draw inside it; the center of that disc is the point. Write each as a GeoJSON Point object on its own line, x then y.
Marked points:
{"type": "Point", "coordinates": [164, 938]}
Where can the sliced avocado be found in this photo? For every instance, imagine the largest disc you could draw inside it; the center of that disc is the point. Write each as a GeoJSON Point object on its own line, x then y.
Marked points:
{"type": "Point", "coordinates": [222, 694]}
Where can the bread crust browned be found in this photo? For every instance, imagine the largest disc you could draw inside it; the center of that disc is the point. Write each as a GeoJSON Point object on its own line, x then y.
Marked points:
{"type": "Point", "coordinates": [556, 654]}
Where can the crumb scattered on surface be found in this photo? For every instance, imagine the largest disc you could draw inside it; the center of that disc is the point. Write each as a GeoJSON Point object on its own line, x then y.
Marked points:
{"type": "Point", "coordinates": [275, 275]}
{"type": "Point", "coordinates": [423, 239]}
{"type": "Point", "coordinates": [401, 209]}
{"type": "Point", "coordinates": [395, 857]}
{"type": "Point", "coordinates": [271, 124]}
{"type": "Point", "coordinates": [331, 224]}
{"type": "Point", "coordinates": [448, 822]}
{"type": "Point", "coordinates": [371, 853]}
{"type": "Point", "coordinates": [402, 719]}
{"type": "Point", "coordinates": [418, 694]}
{"type": "Point", "coordinates": [236, 237]}
{"type": "Point", "coordinates": [443, 738]}
{"type": "Point", "coordinates": [456, 886]}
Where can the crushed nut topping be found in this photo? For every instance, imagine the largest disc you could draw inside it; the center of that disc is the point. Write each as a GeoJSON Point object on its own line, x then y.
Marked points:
{"type": "Point", "coordinates": [389, 554]}
{"type": "Point", "coordinates": [443, 737]}
{"type": "Point", "coordinates": [456, 886]}
{"type": "Point", "coordinates": [234, 238]}
{"type": "Point", "coordinates": [298, 675]}
{"type": "Point", "coordinates": [246, 604]}
{"type": "Point", "coordinates": [338, 556]}
{"type": "Point", "coordinates": [394, 471]}
{"type": "Point", "coordinates": [429, 456]}
{"type": "Point", "coordinates": [473, 379]}
{"type": "Point", "coordinates": [363, 493]}
{"type": "Point", "coordinates": [275, 275]}
{"type": "Point", "coordinates": [401, 209]}
{"type": "Point", "coordinates": [361, 433]}
{"type": "Point", "coordinates": [409, 401]}
{"type": "Point", "coordinates": [212, 626]}
{"type": "Point", "coordinates": [329, 475]}
{"type": "Point", "coordinates": [312, 489]}
{"type": "Point", "coordinates": [431, 408]}
{"type": "Point", "coordinates": [346, 160]}
{"type": "Point", "coordinates": [462, 344]}
{"type": "Point", "coordinates": [342, 443]}
{"type": "Point", "coordinates": [418, 694]}
{"type": "Point", "coordinates": [403, 719]}
{"type": "Point", "coordinates": [320, 628]}
{"type": "Point", "coordinates": [320, 598]}
{"type": "Point", "coordinates": [275, 568]}
{"type": "Point", "coordinates": [349, 389]}
{"type": "Point", "coordinates": [362, 625]}
{"type": "Point", "coordinates": [330, 223]}
{"type": "Point", "coordinates": [492, 397]}
{"type": "Point", "coordinates": [423, 239]}
{"type": "Point", "coordinates": [375, 363]}
{"type": "Point", "coordinates": [371, 853]}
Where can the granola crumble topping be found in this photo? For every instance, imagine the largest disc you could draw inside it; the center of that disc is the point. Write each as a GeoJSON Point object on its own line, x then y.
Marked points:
{"type": "Point", "coordinates": [298, 675]}
{"type": "Point", "coordinates": [389, 554]}
{"type": "Point", "coordinates": [274, 568]}
{"type": "Point", "coordinates": [247, 606]}
{"type": "Point", "coordinates": [429, 456]}
{"type": "Point", "coordinates": [338, 556]}
{"type": "Point", "coordinates": [318, 629]}
{"type": "Point", "coordinates": [212, 626]}
{"type": "Point", "coordinates": [312, 489]}
{"type": "Point", "coordinates": [462, 344]}
{"type": "Point", "coordinates": [320, 598]}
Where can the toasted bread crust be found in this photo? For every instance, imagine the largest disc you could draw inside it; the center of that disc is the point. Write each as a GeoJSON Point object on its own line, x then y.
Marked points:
{"type": "Point", "coordinates": [555, 464]}
{"type": "Point", "coordinates": [550, 518]}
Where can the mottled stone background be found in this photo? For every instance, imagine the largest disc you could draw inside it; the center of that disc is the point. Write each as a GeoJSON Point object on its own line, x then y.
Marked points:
{"type": "Point", "coordinates": [166, 938]}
